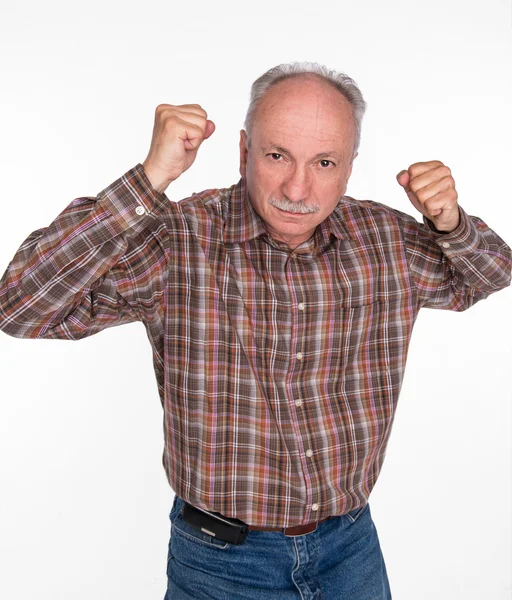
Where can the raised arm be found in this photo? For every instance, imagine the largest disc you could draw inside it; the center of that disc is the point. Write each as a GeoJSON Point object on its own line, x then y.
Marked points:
{"type": "Point", "coordinates": [455, 259]}
{"type": "Point", "coordinates": [101, 262]}
{"type": "Point", "coordinates": [84, 272]}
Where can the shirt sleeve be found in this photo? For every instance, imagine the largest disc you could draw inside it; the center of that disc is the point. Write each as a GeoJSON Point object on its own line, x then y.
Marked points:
{"type": "Point", "coordinates": [455, 270]}
{"type": "Point", "coordinates": [97, 265]}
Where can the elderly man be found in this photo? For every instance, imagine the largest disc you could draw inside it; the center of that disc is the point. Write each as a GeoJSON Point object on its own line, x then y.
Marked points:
{"type": "Point", "coordinates": [279, 311]}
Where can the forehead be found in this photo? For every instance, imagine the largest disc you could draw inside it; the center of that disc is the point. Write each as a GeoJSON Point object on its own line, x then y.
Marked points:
{"type": "Point", "coordinates": [304, 108]}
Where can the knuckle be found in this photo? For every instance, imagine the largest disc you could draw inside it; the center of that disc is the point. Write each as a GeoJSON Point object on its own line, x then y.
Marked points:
{"type": "Point", "coordinates": [448, 183]}
{"type": "Point", "coordinates": [198, 110]}
{"type": "Point", "coordinates": [193, 127]}
{"type": "Point", "coordinates": [422, 195]}
{"type": "Point", "coordinates": [161, 107]}
{"type": "Point", "coordinates": [414, 185]}
{"type": "Point", "coordinates": [430, 205]}
{"type": "Point", "coordinates": [414, 169]}
{"type": "Point", "coordinates": [170, 122]}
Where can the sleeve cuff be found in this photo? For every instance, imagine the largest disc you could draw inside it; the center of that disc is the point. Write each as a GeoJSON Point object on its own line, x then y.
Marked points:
{"type": "Point", "coordinates": [131, 198]}
{"type": "Point", "coordinates": [462, 239]}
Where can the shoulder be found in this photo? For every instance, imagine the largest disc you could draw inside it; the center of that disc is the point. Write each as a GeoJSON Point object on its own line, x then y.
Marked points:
{"type": "Point", "coordinates": [202, 212]}
{"type": "Point", "coordinates": [370, 208]}
{"type": "Point", "coordinates": [214, 201]}
{"type": "Point", "coordinates": [369, 215]}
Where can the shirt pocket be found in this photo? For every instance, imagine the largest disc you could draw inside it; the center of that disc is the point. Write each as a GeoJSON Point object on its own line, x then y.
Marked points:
{"type": "Point", "coordinates": [364, 367]}
{"type": "Point", "coordinates": [361, 332]}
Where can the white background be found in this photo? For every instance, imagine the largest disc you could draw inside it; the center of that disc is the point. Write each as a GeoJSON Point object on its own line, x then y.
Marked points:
{"type": "Point", "coordinates": [84, 500]}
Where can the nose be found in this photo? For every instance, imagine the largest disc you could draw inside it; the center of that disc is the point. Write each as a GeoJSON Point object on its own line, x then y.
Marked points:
{"type": "Point", "coordinates": [297, 184]}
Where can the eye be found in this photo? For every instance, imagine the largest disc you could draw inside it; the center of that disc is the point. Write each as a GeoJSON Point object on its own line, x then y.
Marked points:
{"type": "Point", "coordinates": [275, 156]}
{"type": "Point", "coordinates": [324, 163]}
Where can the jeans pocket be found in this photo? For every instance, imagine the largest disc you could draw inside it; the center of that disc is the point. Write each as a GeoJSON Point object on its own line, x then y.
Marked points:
{"type": "Point", "coordinates": [353, 515]}
{"type": "Point", "coordinates": [174, 508]}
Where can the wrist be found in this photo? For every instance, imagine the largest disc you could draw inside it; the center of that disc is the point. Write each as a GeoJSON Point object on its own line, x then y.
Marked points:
{"type": "Point", "coordinates": [158, 179]}
{"type": "Point", "coordinates": [447, 226]}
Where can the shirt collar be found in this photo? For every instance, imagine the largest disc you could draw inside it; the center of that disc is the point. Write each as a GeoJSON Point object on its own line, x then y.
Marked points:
{"type": "Point", "coordinates": [339, 223]}
{"type": "Point", "coordinates": [243, 223]}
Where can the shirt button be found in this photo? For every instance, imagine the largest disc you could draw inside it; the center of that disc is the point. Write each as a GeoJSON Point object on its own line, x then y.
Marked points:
{"type": "Point", "coordinates": [298, 402]}
{"type": "Point", "coordinates": [445, 245]}
{"type": "Point", "coordinates": [301, 306]}
{"type": "Point", "coordinates": [140, 210]}
{"type": "Point", "coordinates": [299, 356]}
{"type": "Point", "coordinates": [309, 453]}
{"type": "Point", "coordinates": [314, 507]}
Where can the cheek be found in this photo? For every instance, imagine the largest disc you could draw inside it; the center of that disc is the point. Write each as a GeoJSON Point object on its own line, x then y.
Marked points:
{"type": "Point", "coordinates": [330, 190]}
{"type": "Point", "coordinates": [258, 187]}
{"type": "Point", "coordinates": [255, 174]}
{"type": "Point", "coordinates": [266, 173]}
{"type": "Point", "coordinates": [263, 180]}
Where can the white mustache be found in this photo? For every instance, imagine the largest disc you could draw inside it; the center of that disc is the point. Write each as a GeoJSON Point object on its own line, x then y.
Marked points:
{"type": "Point", "coordinates": [294, 207]}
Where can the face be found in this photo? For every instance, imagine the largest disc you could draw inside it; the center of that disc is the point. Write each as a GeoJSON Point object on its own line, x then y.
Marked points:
{"type": "Point", "coordinates": [299, 157]}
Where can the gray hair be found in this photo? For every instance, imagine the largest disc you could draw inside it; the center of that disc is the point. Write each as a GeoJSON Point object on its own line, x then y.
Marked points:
{"type": "Point", "coordinates": [343, 83]}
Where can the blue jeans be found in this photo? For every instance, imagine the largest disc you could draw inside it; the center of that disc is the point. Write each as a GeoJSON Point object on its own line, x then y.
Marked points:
{"type": "Point", "coordinates": [340, 560]}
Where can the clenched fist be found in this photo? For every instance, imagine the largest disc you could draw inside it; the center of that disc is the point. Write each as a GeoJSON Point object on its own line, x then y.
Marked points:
{"type": "Point", "coordinates": [177, 134]}
{"type": "Point", "coordinates": [431, 189]}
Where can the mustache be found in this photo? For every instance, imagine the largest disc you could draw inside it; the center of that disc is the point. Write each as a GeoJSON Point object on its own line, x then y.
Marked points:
{"type": "Point", "coordinates": [294, 207]}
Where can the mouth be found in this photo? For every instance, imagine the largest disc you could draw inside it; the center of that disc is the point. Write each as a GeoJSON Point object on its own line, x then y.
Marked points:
{"type": "Point", "coordinates": [288, 215]}
{"type": "Point", "coordinates": [291, 212]}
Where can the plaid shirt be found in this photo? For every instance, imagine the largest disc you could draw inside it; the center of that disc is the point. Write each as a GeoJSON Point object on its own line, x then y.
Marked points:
{"type": "Point", "coordinates": [279, 371]}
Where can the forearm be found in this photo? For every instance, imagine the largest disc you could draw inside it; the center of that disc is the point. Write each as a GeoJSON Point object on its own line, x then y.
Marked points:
{"type": "Point", "coordinates": [454, 270]}
{"type": "Point", "coordinates": [56, 267]}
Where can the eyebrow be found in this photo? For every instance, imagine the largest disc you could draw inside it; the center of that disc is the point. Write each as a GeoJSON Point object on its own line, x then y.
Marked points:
{"type": "Point", "coordinates": [281, 150]}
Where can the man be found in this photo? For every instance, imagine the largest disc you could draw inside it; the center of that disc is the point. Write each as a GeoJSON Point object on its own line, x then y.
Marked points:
{"type": "Point", "coordinates": [280, 312]}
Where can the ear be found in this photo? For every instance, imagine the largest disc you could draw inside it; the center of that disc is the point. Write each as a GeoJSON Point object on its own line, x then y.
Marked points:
{"type": "Point", "coordinates": [243, 153]}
